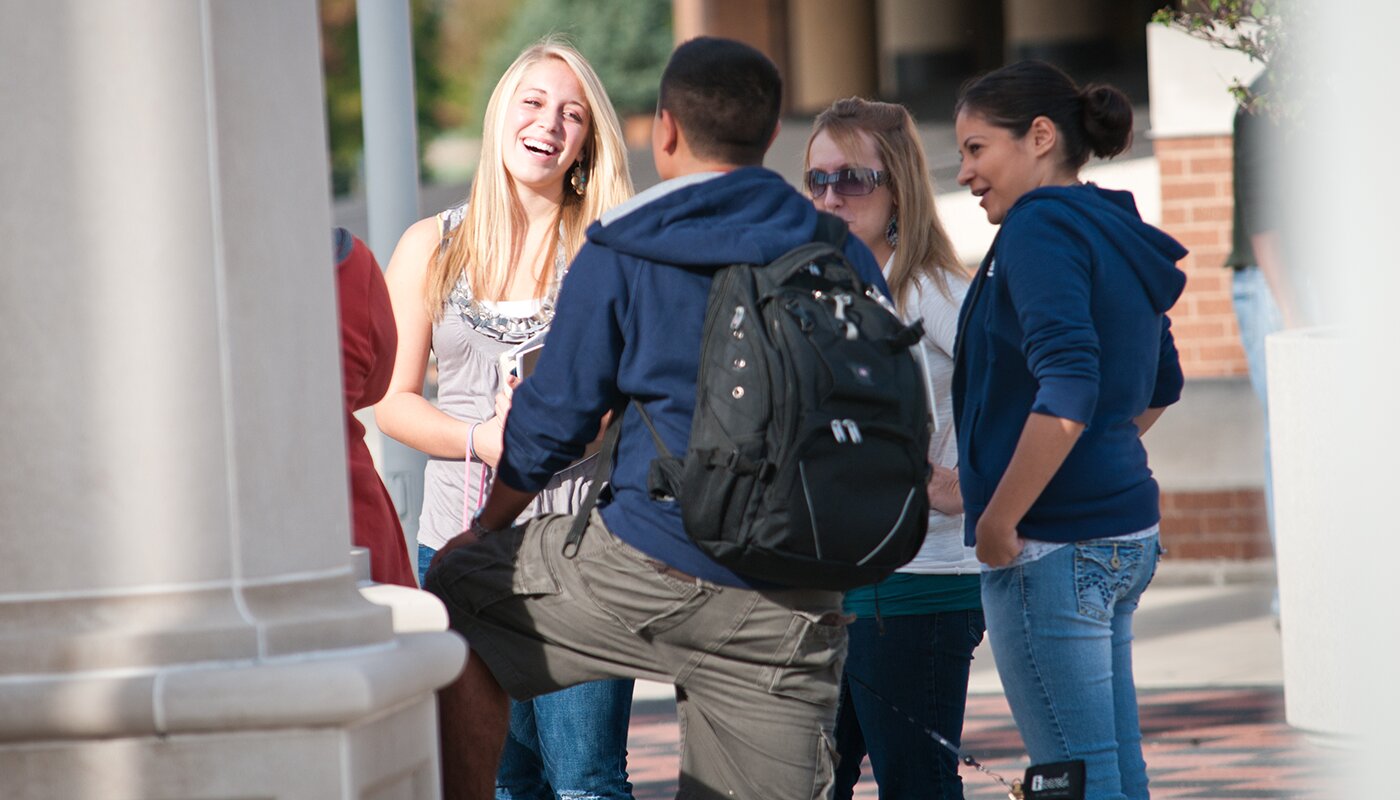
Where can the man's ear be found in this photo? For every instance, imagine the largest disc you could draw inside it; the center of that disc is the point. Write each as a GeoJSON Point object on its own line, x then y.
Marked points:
{"type": "Point", "coordinates": [668, 133]}
{"type": "Point", "coordinates": [1043, 135]}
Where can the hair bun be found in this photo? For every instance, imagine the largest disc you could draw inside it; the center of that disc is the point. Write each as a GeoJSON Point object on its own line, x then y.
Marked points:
{"type": "Point", "coordinates": [1108, 119]}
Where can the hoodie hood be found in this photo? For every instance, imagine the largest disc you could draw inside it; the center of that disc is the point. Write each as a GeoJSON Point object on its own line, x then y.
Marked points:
{"type": "Point", "coordinates": [1151, 253]}
{"type": "Point", "coordinates": [710, 220]}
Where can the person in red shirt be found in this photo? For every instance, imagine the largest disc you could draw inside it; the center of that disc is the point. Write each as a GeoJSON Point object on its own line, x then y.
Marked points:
{"type": "Point", "coordinates": [367, 343]}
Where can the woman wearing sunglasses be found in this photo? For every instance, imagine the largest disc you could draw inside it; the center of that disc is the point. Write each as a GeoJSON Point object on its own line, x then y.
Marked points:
{"type": "Point", "coordinates": [1064, 360]}
{"type": "Point", "coordinates": [914, 634]}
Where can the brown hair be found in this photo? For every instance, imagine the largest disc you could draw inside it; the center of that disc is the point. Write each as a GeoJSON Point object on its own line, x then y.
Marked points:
{"type": "Point", "coordinates": [924, 247]}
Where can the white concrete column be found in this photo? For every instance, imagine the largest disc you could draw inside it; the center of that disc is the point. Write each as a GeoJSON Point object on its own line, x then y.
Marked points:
{"type": "Point", "coordinates": [1332, 394]}
{"type": "Point", "coordinates": [178, 616]}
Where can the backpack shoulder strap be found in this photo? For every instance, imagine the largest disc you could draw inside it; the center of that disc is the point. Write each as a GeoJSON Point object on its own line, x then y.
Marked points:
{"type": "Point", "coordinates": [830, 235]}
{"type": "Point", "coordinates": [601, 473]}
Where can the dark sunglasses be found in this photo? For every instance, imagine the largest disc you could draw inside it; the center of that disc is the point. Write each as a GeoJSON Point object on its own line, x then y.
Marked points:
{"type": "Point", "coordinates": [855, 182]}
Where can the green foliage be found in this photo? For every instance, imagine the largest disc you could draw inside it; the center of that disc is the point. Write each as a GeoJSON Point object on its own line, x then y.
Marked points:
{"type": "Point", "coordinates": [626, 41]}
{"type": "Point", "coordinates": [469, 29]}
{"type": "Point", "coordinates": [1257, 28]}
{"type": "Point", "coordinates": [340, 55]}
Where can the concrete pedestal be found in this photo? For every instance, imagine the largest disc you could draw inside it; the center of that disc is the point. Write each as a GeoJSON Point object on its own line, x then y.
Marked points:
{"type": "Point", "coordinates": [178, 614]}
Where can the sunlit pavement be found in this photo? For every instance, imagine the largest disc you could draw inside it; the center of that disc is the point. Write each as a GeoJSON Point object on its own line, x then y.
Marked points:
{"type": "Point", "coordinates": [1211, 698]}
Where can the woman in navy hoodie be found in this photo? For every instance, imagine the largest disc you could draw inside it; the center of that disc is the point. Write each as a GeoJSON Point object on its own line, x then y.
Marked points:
{"type": "Point", "coordinates": [1065, 357]}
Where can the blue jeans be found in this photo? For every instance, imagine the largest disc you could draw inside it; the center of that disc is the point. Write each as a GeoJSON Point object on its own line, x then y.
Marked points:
{"type": "Point", "coordinates": [570, 744]}
{"type": "Point", "coordinates": [1258, 316]}
{"type": "Point", "coordinates": [920, 664]}
{"type": "Point", "coordinates": [1061, 630]}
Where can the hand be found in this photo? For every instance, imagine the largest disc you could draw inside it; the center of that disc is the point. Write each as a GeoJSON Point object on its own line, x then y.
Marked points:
{"type": "Point", "coordinates": [997, 542]}
{"type": "Point", "coordinates": [462, 539]}
{"type": "Point", "coordinates": [944, 492]}
{"type": "Point", "coordinates": [503, 405]}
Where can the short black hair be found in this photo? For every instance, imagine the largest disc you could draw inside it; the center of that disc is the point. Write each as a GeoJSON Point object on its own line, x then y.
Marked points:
{"type": "Point", "coordinates": [725, 95]}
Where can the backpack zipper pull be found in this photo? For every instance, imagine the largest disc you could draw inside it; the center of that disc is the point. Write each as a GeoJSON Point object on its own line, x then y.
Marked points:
{"type": "Point", "coordinates": [841, 301]}
{"type": "Point", "coordinates": [873, 294]}
{"type": "Point", "coordinates": [854, 430]}
{"type": "Point", "coordinates": [838, 432]}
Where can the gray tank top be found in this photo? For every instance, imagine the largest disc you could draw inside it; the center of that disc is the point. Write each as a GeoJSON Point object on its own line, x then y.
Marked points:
{"type": "Point", "coordinates": [468, 340]}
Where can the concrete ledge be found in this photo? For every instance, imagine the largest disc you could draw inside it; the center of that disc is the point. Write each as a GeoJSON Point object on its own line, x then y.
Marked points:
{"type": "Point", "coordinates": [413, 610]}
{"type": "Point", "coordinates": [1214, 572]}
{"type": "Point", "coordinates": [323, 689]}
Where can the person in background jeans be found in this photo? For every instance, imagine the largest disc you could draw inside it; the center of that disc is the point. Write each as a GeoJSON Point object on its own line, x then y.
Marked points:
{"type": "Point", "coordinates": [1065, 357]}
{"type": "Point", "coordinates": [1263, 295]}
{"type": "Point", "coordinates": [914, 633]}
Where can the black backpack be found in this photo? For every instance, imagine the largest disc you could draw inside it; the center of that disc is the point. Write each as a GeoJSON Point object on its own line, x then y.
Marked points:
{"type": "Point", "coordinates": [808, 453]}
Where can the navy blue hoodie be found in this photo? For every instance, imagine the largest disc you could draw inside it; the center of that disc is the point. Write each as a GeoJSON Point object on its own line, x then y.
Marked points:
{"type": "Point", "coordinates": [1067, 317]}
{"type": "Point", "coordinates": [628, 325]}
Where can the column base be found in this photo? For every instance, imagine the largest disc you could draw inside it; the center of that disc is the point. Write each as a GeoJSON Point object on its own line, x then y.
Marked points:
{"type": "Point", "coordinates": [393, 754]}
{"type": "Point", "coordinates": [325, 688]}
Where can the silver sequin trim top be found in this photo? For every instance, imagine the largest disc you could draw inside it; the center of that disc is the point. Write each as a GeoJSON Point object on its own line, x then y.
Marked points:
{"type": "Point", "coordinates": [482, 318]}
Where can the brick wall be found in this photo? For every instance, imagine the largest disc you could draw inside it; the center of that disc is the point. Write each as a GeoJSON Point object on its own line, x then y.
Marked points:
{"type": "Point", "coordinates": [1230, 523]}
{"type": "Point", "coordinates": [1197, 200]}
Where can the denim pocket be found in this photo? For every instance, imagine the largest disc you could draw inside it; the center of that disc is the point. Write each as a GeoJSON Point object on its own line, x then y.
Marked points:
{"type": "Point", "coordinates": [1103, 573]}
{"type": "Point", "coordinates": [807, 664]}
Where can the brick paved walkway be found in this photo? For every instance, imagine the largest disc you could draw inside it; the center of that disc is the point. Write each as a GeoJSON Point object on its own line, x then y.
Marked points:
{"type": "Point", "coordinates": [1216, 744]}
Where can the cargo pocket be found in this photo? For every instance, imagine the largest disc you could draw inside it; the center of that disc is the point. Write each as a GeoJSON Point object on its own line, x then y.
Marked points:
{"type": "Point", "coordinates": [807, 663]}
{"type": "Point", "coordinates": [824, 776]}
{"type": "Point", "coordinates": [511, 563]}
{"type": "Point", "coordinates": [629, 587]}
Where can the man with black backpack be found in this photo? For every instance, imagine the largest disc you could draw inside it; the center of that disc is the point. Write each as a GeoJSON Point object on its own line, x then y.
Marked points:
{"type": "Point", "coordinates": [630, 593]}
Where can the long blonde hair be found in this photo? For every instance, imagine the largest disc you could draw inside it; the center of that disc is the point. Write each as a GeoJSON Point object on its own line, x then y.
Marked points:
{"type": "Point", "coordinates": [489, 242]}
{"type": "Point", "coordinates": [924, 247]}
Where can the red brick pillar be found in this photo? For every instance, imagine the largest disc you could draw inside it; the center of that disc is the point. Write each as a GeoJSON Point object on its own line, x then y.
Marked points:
{"type": "Point", "coordinates": [1197, 203]}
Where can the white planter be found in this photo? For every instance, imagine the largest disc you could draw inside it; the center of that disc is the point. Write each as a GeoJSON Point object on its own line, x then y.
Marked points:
{"type": "Point", "coordinates": [1312, 472]}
